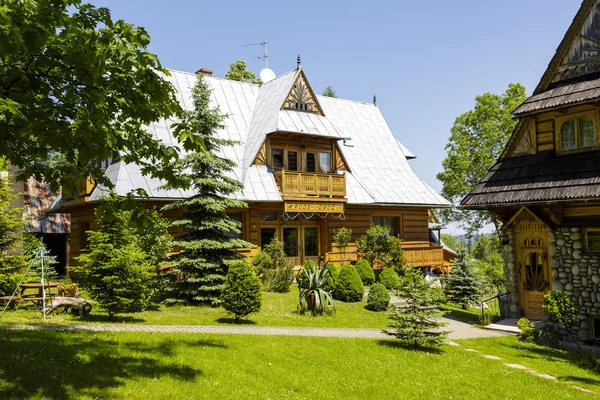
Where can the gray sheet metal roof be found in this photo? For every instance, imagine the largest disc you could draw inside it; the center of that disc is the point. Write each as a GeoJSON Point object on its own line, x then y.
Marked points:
{"type": "Point", "coordinates": [571, 94]}
{"type": "Point", "coordinates": [380, 171]}
{"type": "Point", "coordinates": [538, 178]}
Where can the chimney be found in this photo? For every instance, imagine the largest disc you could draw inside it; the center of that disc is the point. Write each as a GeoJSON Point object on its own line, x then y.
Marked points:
{"type": "Point", "coordinates": [205, 71]}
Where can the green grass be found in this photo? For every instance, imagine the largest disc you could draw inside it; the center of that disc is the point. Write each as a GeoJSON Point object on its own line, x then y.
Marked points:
{"type": "Point", "coordinates": [577, 369]}
{"type": "Point", "coordinates": [85, 365]}
{"type": "Point", "coordinates": [278, 309]}
{"type": "Point", "coordinates": [471, 315]}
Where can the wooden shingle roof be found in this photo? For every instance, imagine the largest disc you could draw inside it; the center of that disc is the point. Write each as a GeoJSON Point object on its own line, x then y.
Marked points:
{"type": "Point", "coordinates": [538, 178]}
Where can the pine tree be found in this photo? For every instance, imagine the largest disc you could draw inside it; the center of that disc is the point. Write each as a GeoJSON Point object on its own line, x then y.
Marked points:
{"type": "Point", "coordinates": [11, 223]}
{"type": "Point", "coordinates": [198, 271]}
{"type": "Point", "coordinates": [415, 324]}
{"type": "Point", "coordinates": [463, 285]}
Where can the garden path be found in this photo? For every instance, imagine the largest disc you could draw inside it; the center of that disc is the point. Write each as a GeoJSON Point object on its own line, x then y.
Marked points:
{"type": "Point", "coordinates": [460, 330]}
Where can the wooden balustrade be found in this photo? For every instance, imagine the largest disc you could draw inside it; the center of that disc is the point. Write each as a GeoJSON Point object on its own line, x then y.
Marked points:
{"type": "Point", "coordinates": [299, 184]}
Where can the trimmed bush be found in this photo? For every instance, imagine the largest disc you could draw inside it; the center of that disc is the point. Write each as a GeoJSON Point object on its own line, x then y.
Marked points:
{"type": "Point", "coordinates": [329, 285]}
{"type": "Point", "coordinates": [389, 278]}
{"type": "Point", "coordinates": [379, 298]}
{"type": "Point", "coordinates": [349, 287]}
{"type": "Point", "coordinates": [242, 293]}
{"type": "Point", "coordinates": [528, 333]}
{"type": "Point", "coordinates": [367, 275]}
{"type": "Point", "coordinates": [262, 262]}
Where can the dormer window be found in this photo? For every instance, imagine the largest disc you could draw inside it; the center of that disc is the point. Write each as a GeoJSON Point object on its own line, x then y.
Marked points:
{"type": "Point", "coordinates": [576, 132]}
{"type": "Point", "coordinates": [301, 97]}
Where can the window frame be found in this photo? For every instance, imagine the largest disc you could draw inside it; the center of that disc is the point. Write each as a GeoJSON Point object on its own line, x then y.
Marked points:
{"type": "Point", "coordinates": [561, 120]}
{"type": "Point", "coordinates": [585, 236]}
{"type": "Point", "coordinates": [396, 223]}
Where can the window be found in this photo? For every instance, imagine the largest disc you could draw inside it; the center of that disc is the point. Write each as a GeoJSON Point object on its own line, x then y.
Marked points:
{"type": "Point", "coordinates": [84, 226]}
{"type": "Point", "coordinates": [292, 160]}
{"type": "Point", "coordinates": [277, 156]}
{"type": "Point", "coordinates": [236, 216]}
{"type": "Point", "coordinates": [311, 162]}
{"type": "Point", "coordinates": [325, 162]}
{"type": "Point", "coordinates": [266, 235]}
{"type": "Point", "coordinates": [267, 216]}
{"type": "Point", "coordinates": [592, 239]}
{"type": "Point", "coordinates": [534, 273]}
{"type": "Point", "coordinates": [389, 222]}
{"type": "Point", "coordinates": [577, 133]}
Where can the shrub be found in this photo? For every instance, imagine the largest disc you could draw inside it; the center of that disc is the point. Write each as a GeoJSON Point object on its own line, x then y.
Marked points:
{"type": "Point", "coordinates": [415, 324]}
{"type": "Point", "coordinates": [278, 280]}
{"type": "Point", "coordinates": [342, 236]}
{"type": "Point", "coordinates": [275, 251]}
{"type": "Point", "coordinates": [314, 297]}
{"type": "Point", "coordinates": [463, 285]}
{"type": "Point", "coordinates": [262, 262]}
{"type": "Point", "coordinates": [379, 247]}
{"type": "Point", "coordinates": [379, 298]}
{"type": "Point", "coordinates": [367, 275]}
{"type": "Point", "coordinates": [330, 284]}
{"type": "Point", "coordinates": [349, 287]}
{"type": "Point", "coordinates": [241, 291]}
{"type": "Point", "coordinates": [528, 333]}
{"type": "Point", "coordinates": [389, 278]}
{"type": "Point", "coordinates": [562, 311]}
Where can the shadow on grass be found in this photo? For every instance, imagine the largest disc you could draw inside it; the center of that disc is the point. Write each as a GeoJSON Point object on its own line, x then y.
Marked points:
{"type": "Point", "coordinates": [397, 344]}
{"type": "Point", "coordinates": [60, 365]}
{"type": "Point", "coordinates": [124, 319]}
{"type": "Point", "coordinates": [464, 315]}
{"type": "Point", "coordinates": [233, 321]}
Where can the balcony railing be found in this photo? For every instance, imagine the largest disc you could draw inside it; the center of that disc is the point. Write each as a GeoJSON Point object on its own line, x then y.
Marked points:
{"type": "Point", "coordinates": [305, 184]}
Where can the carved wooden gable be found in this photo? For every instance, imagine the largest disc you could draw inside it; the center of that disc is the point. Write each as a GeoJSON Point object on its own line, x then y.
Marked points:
{"type": "Point", "coordinates": [526, 142]}
{"type": "Point", "coordinates": [583, 56]}
{"type": "Point", "coordinates": [301, 97]}
{"type": "Point", "coordinates": [526, 221]}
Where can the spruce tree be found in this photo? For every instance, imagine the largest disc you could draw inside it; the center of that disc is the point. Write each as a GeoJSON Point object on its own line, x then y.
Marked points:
{"type": "Point", "coordinates": [198, 271]}
{"type": "Point", "coordinates": [11, 224]}
{"type": "Point", "coordinates": [463, 285]}
{"type": "Point", "coordinates": [417, 324]}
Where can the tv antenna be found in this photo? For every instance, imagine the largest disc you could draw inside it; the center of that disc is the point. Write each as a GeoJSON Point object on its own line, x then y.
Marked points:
{"type": "Point", "coordinates": [265, 56]}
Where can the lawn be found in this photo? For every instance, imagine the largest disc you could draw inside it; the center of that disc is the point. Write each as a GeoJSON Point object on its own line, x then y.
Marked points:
{"type": "Point", "coordinates": [61, 365]}
{"type": "Point", "coordinates": [278, 309]}
{"type": "Point", "coordinates": [577, 369]}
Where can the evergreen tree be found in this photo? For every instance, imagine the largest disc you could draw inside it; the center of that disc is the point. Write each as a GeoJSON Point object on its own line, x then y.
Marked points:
{"type": "Point", "coordinates": [463, 285]}
{"type": "Point", "coordinates": [414, 324]}
{"type": "Point", "coordinates": [198, 271]}
{"type": "Point", "coordinates": [242, 293]}
{"type": "Point", "coordinates": [329, 92]}
{"type": "Point", "coordinates": [11, 223]}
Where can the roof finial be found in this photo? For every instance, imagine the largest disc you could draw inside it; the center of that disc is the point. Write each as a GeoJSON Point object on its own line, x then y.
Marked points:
{"type": "Point", "coordinates": [375, 100]}
{"type": "Point", "coordinates": [298, 60]}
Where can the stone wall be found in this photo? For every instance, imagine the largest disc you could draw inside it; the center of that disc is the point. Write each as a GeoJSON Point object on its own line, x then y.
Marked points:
{"type": "Point", "coordinates": [576, 273]}
{"type": "Point", "coordinates": [510, 274]}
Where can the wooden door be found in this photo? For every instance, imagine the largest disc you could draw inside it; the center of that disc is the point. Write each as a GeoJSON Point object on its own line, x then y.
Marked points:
{"type": "Point", "coordinates": [291, 244]}
{"type": "Point", "coordinates": [310, 244]}
{"type": "Point", "coordinates": [533, 273]}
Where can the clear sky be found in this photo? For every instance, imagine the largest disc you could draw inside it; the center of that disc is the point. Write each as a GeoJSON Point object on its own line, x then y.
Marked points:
{"type": "Point", "coordinates": [425, 60]}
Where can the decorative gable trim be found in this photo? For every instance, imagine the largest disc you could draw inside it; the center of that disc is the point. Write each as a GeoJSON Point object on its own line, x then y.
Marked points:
{"type": "Point", "coordinates": [524, 141]}
{"type": "Point", "coordinates": [527, 217]}
{"type": "Point", "coordinates": [301, 96]}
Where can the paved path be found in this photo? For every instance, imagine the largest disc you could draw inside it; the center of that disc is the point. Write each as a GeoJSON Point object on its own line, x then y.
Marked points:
{"type": "Point", "coordinates": [460, 330]}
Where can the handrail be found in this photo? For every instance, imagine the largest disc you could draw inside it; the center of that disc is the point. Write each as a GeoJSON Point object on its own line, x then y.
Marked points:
{"type": "Point", "coordinates": [486, 300]}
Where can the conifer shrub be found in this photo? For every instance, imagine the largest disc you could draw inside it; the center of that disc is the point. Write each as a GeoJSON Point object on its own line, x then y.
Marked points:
{"type": "Point", "coordinates": [242, 292]}
{"type": "Point", "coordinates": [389, 278]}
{"type": "Point", "coordinates": [349, 287]}
{"type": "Point", "coordinates": [379, 298]}
{"type": "Point", "coordinates": [278, 280]}
{"type": "Point", "coordinates": [329, 285]}
{"type": "Point", "coordinates": [367, 275]}
{"type": "Point", "coordinates": [463, 285]}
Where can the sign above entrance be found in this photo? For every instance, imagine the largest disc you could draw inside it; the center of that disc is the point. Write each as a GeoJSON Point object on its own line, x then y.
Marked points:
{"type": "Point", "coordinates": [332, 208]}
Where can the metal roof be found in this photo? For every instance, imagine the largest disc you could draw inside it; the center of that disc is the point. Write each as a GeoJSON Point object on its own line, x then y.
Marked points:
{"type": "Point", "coordinates": [378, 161]}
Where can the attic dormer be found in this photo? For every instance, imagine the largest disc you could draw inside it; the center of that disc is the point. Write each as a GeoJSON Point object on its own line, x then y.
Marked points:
{"type": "Point", "coordinates": [301, 97]}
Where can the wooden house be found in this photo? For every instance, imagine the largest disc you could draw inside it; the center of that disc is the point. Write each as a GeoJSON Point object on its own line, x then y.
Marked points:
{"type": "Point", "coordinates": [545, 187]}
{"type": "Point", "coordinates": [309, 164]}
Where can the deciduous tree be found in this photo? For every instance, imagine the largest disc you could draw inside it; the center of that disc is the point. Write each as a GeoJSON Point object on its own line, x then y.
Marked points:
{"type": "Point", "coordinates": [476, 141]}
{"type": "Point", "coordinates": [239, 72]}
{"type": "Point", "coordinates": [329, 92]}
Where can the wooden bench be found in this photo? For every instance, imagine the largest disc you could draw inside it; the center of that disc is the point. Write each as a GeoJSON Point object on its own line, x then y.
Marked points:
{"type": "Point", "coordinates": [6, 299]}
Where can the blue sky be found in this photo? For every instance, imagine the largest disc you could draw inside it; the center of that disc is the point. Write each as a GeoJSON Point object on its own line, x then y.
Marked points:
{"type": "Point", "coordinates": [425, 60]}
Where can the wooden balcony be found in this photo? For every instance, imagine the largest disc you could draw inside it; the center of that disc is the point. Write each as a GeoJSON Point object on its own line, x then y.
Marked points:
{"type": "Point", "coordinates": [310, 184]}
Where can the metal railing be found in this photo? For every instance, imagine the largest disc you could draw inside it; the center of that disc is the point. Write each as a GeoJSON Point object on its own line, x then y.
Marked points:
{"type": "Point", "coordinates": [491, 308]}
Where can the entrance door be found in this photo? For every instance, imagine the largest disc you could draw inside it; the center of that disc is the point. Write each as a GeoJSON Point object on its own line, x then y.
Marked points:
{"type": "Point", "coordinates": [291, 245]}
{"type": "Point", "coordinates": [534, 283]}
{"type": "Point", "coordinates": [311, 244]}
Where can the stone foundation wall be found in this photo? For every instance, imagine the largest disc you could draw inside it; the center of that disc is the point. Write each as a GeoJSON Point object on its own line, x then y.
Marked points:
{"type": "Point", "coordinates": [510, 274]}
{"type": "Point", "coordinates": [577, 273]}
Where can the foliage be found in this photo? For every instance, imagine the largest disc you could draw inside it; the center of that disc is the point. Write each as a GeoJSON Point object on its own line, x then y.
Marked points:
{"type": "Point", "coordinates": [31, 245]}
{"type": "Point", "coordinates": [342, 237]}
{"type": "Point", "coordinates": [454, 242]}
{"type": "Point", "coordinates": [314, 297]}
{"type": "Point", "coordinates": [198, 271]}
{"type": "Point", "coordinates": [528, 333]}
{"type": "Point", "coordinates": [561, 310]}
{"type": "Point", "coordinates": [463, 286]}
{"type": "Point", "coordinates": [487, 252]}
{"type": "Point", "coordinates": [415, 325]}
{"type": "Point", "coordinates": [68, 290]}
{"type": "Point", "coordinates": [328, 92]}
{"type": "Point", "coordinates": [275, 250]}
{"type": "Point", "coordinates": [476, 141]}
{"type": "Point", "coordinates": [278, 280]}
{"type": "Point", "coordinates": [379, 298]}
{"type": "Point", "coordinates": [379, 247]}
{"type": "Point", "coordinates": [335, 273]}
{"type": "Point", "coordinates": [366, 273]}
{"type": "Point", "coordinates": [76, 87]}
{"type": "Point", "coordinates": [349, 287]}
{"type": "Point", "coordinates": [11, 224]}
{"type": "Point", "coordinates": [389, 278]}
{"type": "Point", "coordinates": [242, 294]}
{"type": "Point", "coordinates": [239, 72]}
{"type": "Point", "coordinates": [117, 272]}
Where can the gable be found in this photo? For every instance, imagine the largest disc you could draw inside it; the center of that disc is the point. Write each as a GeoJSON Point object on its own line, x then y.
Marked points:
{"type": "Point", "coordinates": [579, 52]}
{"type": "Point", "coordinates": [523, 142]}
{"type": "Point", "coordinates": [301, 97]}
{"type": "Point", "coordinates": [526, 218]}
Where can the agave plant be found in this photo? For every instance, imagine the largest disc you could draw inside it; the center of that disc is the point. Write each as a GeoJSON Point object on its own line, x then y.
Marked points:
{"type": "Point", "coordinates": [314, 297]}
